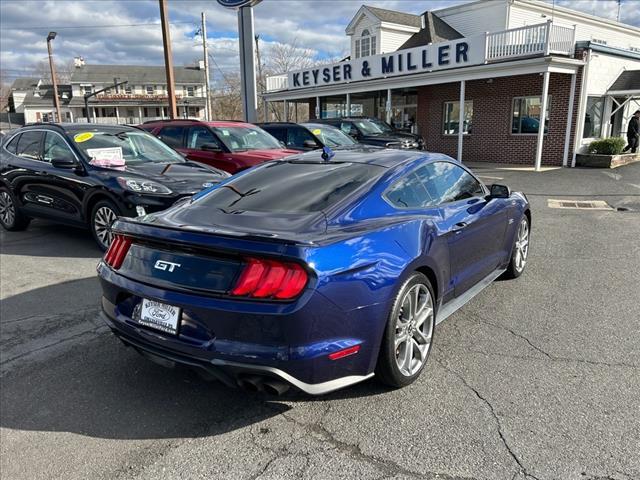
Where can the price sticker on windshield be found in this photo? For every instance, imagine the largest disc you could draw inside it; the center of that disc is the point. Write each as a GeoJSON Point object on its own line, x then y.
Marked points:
{"type": "Point", "coordinates": [83, 137]}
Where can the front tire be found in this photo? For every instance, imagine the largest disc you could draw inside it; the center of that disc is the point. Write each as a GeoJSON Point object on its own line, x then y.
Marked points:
{"type": "Point", "coordinates": [103, 214]}
{"type": "Point", "coordinates": [11, 218]}
{"type": "Point", "coordinates": [408, 336]}
{"type": "Point", "coordinates": [520, 251]}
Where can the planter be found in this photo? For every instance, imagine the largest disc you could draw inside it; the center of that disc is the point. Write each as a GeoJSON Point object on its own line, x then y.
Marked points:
{"type": "Point", "coordinates": [606, 161]}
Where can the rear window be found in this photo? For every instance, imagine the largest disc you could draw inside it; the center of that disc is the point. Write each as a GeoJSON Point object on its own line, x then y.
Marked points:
{"type": "Point", "coordinates": [290, 187]}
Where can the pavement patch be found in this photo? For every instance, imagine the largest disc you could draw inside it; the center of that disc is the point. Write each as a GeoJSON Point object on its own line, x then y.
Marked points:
{"type": "Point", "coordinates": [579, 204]}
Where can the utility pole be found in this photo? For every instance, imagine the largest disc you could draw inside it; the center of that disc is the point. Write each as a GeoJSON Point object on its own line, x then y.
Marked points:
{"type": "Point", "coordinates": [260, 79]}
{"type": "Point", "coordinates": [168, 59]}
{"type": "Point", "coordinates": [208, 109]}
{"type": "Point", "coordinates": [54, 80]}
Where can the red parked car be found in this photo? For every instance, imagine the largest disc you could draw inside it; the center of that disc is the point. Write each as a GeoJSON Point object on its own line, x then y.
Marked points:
{"type": "Point", "coordinates": [227, 145]}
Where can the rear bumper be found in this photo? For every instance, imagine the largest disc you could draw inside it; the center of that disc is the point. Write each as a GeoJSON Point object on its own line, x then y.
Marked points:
{"type": "Point", "coordinates": [230, 339]}
{"type": "Point", "coordinates": [229, 372]}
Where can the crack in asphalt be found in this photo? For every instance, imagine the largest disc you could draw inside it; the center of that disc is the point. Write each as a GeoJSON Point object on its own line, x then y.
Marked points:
{"type": "Point", "coordinates": [513, 455]}
{"type": "Point", "coordinates": [387, 468]}
{"type": "Point", "coordinates": [556, 358]}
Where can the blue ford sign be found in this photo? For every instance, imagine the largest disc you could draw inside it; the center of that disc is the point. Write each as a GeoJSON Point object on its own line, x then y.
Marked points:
{"type": "Point", "coordinates": [238, 3]}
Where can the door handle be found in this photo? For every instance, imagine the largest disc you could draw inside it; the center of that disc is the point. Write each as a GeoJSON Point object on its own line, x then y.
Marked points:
{"type": "Point", "coordinates": [458, 227]}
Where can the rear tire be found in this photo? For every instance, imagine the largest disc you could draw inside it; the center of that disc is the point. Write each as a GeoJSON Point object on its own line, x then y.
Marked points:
{"type": "Point", "coordinates": [408, 335]}
{"type": "Point", "coordinates": [520, 250]}
{"type": "Point", "coordinates": [11, 218]}
{"type": "Point", "coordinates": [103, 214]}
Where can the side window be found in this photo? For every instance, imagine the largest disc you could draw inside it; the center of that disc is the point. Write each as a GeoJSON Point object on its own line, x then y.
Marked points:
{"type": "Point", "coordinates": [198, 136]}
{"type": "Point", "coordinates": [347, 127]}
{"type": "Point", "coordinates": [56, 148]}
{"type": "Point", "coordinates": [297, 137]}
{"type": "Point", "coordinates": [408, 192]}
{"type": "Point", "coordinates": [29, 145]}
{"type": "Point", "coordinates": [172, 136]}
{"type": "Point", "coordinates": [13, 144]}
{"type": "Point", "coordinates": [446, 182]}
{"type": "Point", "coordinates": [279, 133]}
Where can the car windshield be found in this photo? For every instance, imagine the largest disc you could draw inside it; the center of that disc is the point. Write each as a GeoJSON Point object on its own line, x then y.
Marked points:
{"type": "Point", "coordinates": [331, 136]}
{"type": "Point", "coordinates": [309, 187]}
{"type": "Point", "coordinates": [112, 148]}
{"type": "Point", "coordinates": [373, 126]}
{"type": "Point", "coordinates": [238, 138]}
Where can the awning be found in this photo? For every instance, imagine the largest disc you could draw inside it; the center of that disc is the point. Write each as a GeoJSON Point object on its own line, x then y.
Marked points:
{"type": "Point", "coordinates": [627, 83]}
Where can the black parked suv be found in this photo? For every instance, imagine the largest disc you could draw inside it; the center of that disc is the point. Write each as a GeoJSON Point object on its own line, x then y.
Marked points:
{"type": "Point", "coordinates": [373, 131]}
{"type": "Point", "coordinates": [88, 175]}
{"type": "Point", "coordinates": [308, 136]}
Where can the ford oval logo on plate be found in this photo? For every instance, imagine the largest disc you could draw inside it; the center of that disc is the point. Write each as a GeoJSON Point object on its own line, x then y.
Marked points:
{"type": "Point", "coordinates": [238, 3]}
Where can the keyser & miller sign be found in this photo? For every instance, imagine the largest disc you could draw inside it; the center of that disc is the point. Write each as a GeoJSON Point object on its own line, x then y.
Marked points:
{"type": "Point", "coordinates": [438, 56]}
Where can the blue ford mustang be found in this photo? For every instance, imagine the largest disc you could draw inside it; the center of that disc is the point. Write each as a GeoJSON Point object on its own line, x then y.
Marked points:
{"type": "Point", "coordinates": [312, 272]}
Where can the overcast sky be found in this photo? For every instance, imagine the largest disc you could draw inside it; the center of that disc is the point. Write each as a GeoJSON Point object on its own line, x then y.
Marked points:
{"type": "Point", "coordinates": [126, 31]}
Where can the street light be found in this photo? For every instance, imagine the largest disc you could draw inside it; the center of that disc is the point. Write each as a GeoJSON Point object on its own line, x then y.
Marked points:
{"type": "Point", "coordinates": [56, 100]}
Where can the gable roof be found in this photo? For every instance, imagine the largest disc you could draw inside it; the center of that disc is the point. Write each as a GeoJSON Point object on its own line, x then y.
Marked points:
{"type": "Point", "coordinates": [436, 30]}
{"type": "Point", "coordinates": [629, 80]}
{"type": "Point", "coordinates": [385, 16]}
{"type": "Point", "coordinates": [400, 18]}
{"type": "Point", "coordinates": [135, 74]}
{"type": "Point", "coordinates": [25, 83]}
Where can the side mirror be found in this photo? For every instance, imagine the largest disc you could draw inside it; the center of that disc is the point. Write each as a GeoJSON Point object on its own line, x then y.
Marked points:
{"type": "Point", "coordinates": [64, 163]}
{"type": "Point", "coordinates": [499, 191]}
{"type": "Point", "coordinates": [309, 144]}
{"type": "Point", "coordinates": [211, 147]}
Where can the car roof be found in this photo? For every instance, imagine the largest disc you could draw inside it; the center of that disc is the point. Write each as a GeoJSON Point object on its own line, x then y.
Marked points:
{"type": "Point", "coordinates": [214, 123]}
{"type": "Point", "coordinates": [73, 127]}
{"type": "Point", "coordinates": [276, 124]}
{"type": "Point", "coordinates": [318, 125]}
{"type": "Point", "coordinates": [384, 157]}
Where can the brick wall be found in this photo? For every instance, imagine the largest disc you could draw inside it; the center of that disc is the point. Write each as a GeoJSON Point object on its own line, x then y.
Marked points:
{"type": "Point", "coordinates": [491, 139]}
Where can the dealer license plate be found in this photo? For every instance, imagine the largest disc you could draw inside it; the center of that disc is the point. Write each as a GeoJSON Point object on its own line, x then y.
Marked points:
{"type": "Point", "coordinates": [159, 316]}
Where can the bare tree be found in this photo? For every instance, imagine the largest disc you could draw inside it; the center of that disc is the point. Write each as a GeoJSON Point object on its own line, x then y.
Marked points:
{"type": "Point", "coordinates": [5, 91]}
{"type": "Point", "coordinates": [284, 57]}
{"type": "Point", "coordinates": [64, 70]}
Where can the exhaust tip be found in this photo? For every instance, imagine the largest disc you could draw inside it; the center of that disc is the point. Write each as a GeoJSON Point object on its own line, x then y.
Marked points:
{"type": "Point", "coordinates": [275, 387]}
{"type": "Point", "coordinates": [251, 384]}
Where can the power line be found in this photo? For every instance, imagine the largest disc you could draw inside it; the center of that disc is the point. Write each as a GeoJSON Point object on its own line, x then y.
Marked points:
{"type": "Point", "coordinates": [32, 27]}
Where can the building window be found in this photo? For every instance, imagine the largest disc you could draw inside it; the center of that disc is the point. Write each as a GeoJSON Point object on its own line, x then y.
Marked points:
{"type": "Point", "coordinates": [151, 90]}
{"type": "Point", "coordinates": [190, 91]}
{"type": "Point", "coordinates": [525, 115]}
{"type": "Point", "coordinates": [128, 90]}
{"type": "Point", "coordinates": [357, 49]}
{"type": "Point", "coordinates": [593, 117]}
{"type": "Point", "coordinates": [86, 89]}
{"type": "Point", "coordinates": [451, 117]}
{"type": "Point", "coordinates": [367, 44]}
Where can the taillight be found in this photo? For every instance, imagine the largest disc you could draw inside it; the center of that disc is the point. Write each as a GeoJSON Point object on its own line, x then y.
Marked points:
{"type": "Point", "coordinates": [117, 251]}
{"type": "Point", "coordinates": [270, 279]}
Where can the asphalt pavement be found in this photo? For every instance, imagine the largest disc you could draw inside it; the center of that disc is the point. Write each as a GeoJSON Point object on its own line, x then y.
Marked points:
{"type": "Point", "coordinates": [536, 378]}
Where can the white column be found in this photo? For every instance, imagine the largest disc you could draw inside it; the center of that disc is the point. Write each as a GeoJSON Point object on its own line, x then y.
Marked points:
{"type": "Point", "coordinates": [117, 114]}
{"type": "Point", "coordinates": [286, 111]}
{"type": "Point", "coordinates": [461, 121]}
{"type": "Point", "coordinates": [93, 110]}
{"type": "Point", "coordinates": [140, 114]}
{"type": "Point", "coordinates": [567, 133]}
{"type": "Point", "coordinates": [388, 107]}
{"type": "Point", "coordinates": [318, 110]}
{"type": "Point", "coordinates": [543, 119]}
{"type": "Point", "coordinates": [348, 109]}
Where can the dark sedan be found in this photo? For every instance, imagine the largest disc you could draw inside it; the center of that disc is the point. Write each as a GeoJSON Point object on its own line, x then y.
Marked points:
{"type": "Point", "coordinates": [88, 175]}
{"type": "Point", "coordinates": [373, 131]}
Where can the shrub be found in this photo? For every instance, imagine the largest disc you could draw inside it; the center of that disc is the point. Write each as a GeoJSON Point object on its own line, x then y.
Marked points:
{"type": "Point", "coordinates": [607, 146]}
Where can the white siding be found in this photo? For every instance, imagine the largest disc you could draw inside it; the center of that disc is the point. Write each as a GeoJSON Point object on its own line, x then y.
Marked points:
{"type": "Point", "coordinates": [365, 23]}
{"type": "Point", "coordinates": [586, 29]}
{"type": "Point", "coordinates": [490, 16]}
{"type": "Point", "coordinates": [390, 40]}
{"type": "Point", "coordinates": [604, 69]}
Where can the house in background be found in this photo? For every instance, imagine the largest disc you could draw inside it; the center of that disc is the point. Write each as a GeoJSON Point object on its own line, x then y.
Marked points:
{"type": "Point", "coordinates": [143, 98]}
{"type": "Point", "coordinates": [479, 79]}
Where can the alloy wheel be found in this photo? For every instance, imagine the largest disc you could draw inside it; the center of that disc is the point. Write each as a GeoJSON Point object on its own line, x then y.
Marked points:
{"type": "Point", "coordinates": [414, 329]}
{"type": "Point", "coordinates": [102, 222]}
{"type": "Point", "coordinates": [522, 246]}
{"type": "Point", "coordinates": [7, 209]}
